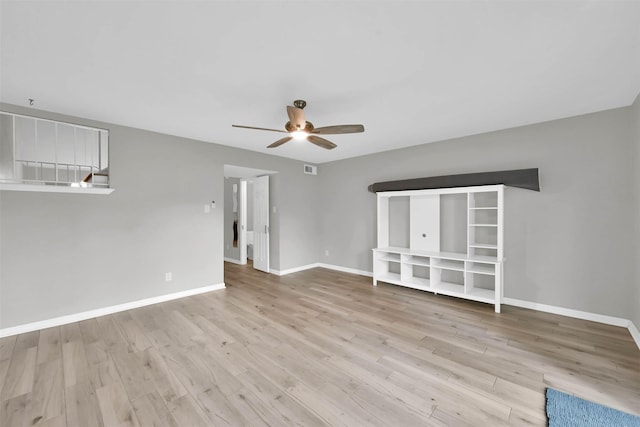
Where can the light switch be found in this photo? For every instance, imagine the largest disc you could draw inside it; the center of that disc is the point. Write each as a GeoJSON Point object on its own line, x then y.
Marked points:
{"type": "Point", "coordinates": [207, 208]}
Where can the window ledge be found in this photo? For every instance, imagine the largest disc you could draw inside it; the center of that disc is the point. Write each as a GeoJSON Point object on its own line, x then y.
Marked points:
{"type": "Point", "coordinates": [55, 189]}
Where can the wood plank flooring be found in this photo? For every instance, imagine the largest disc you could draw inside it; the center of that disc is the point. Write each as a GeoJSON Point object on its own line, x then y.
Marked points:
{"type": "Point", "coordinates": [312, 348]}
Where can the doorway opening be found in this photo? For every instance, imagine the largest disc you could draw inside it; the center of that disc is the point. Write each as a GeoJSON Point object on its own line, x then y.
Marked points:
{"type": "Point", "coordinates": [246, 216]}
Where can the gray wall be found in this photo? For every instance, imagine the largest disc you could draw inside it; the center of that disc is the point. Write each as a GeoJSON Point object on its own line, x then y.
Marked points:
{"type": "Point", "coordinates": [636, 261]}
{"type": "Point", "coordinates": [6, 147]}
{"type": "Point", "coordinates": [567, 246]}
{"type": "Point", "coordinates": [62, 254]}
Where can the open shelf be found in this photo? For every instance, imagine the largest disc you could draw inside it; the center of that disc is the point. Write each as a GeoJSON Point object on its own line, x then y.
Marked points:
{"type": "Point", "coordinates": [54, 189]}
{"type": "Point", "coordinates": [483, 258]}
{"type": "Point", "coordinates": [449, 265]}
{"type": "Point", "coordinates": [487, 269]}
{"type": "Point", "coordinates": [389, 277]}
{"type": "Point", "coordinates": [483, 295]}
{"type": "Point", "coordinates": [419, 283]}
{"type": "Point", "coordinates": [390, 257]}
{"type": "Point", "coordinates": [448, 287]}
{"type": "Point", "coordinates": [418, 260]}
{"type": "Point", "coordinates": [483, 246]}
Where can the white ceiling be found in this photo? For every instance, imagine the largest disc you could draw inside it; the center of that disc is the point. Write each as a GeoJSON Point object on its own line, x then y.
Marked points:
{"type": "Point", "coordinates": [411, 72]}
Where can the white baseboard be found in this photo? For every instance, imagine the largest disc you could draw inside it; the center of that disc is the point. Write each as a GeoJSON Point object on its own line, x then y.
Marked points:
{"type": "Point", "coordinates": [293, 270]}
{"type": "Point", "coordinates": [346, 269]}
{"type": "Point", "coordinates": [321, 265]}
{"type": "Point", "coordinates": [635, 333]}
{"type": "Point", "coordinates": [77, 317]}
{"type": "Point", "coordinates": [584, 315]}
{"type": "Point", "coordinates": [233, 260]}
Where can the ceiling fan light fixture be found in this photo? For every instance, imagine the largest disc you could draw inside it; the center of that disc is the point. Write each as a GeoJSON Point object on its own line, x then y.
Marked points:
{"type": "Point", "coordinates": [299, 129]}
{"type": "Point", "coordinates": [299, 135]}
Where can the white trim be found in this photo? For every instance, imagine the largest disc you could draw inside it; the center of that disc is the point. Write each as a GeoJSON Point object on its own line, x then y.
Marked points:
{"type": "Point", "coordinates": [233, 260]}
{"type": "Point", "coordinates": [584, 315]}
{"type": "Point", "coordinates": [54, 188]}
{"type": "Point", "coordinates": [77, 317]}
{"type": "Point", "coordinates": [346, 269]}
{"type": "Point", "coordinates": [635, 333]}
{"type": "Point", "coordinates": [293, 270]}
{"type": "Point", "coordinates": [9, 113]}
{"type": "Point", "coordinates": [322, 265]}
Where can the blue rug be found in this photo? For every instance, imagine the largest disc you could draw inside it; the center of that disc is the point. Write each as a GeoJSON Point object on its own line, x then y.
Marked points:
{"type": "Point", "coordinates": [566, 410]}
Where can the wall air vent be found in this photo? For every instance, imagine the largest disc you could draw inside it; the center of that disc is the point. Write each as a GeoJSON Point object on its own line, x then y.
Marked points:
{"type": "Point", "coordinates": [310, 170]}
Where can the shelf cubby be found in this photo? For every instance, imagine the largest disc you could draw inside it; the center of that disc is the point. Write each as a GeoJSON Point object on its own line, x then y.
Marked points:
{"type": "Point", "coordinates": [419, 283]}
{"type": "Point", "coordinates": [391, 257]}
{"type": "Point", "coordinates": [482, 295]}
{"type": "Point", "coordinates": [481, 268]}
{"type": "Point", "coordinates": [480, 284]}
{"type": "Point", "coordinates": [389, 277]}
{"type": "Point", "coordinates": [395, 267]}
{"type": "Point", "coordinates": [483, 216]}
{"type": "Point", "coordinates": [449, 288]}
{"type": "Point", "coordinates": [483, 200]}
{"type": "Point", "coordinates": [420, 272]}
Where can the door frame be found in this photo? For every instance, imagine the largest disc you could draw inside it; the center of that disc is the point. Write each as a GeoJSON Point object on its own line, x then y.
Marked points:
{"type": "Point", "coordinates": [242, 220]}
{"type": "Point", "coordinates": [261, 224]}
{"type": "Point", "coordinates": [243, 173]}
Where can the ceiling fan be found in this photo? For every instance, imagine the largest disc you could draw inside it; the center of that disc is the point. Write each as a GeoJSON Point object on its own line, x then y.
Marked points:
{"type": "Point", "coordinates": [299, 128]}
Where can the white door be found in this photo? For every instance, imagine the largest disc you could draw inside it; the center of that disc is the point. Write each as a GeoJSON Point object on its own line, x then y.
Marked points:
{"type": "Point", "coordinates": [424, 222]}
{"type": "Point", "coordinates": [261, 223]}
{"type": "Point", "coordinates": [242, 221]}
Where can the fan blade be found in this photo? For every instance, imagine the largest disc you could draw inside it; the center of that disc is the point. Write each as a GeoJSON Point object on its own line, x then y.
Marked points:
{"type": "Point", "coordinates": [321, 142]}
{"type": "Point", "coordinates": [280, 142]}
{"type": "Point", "coordinates": [329, 130]}
{"type": "Point", "coordinates": [296, 117]}
{"type": "Point", "coordinates": [252, 127]}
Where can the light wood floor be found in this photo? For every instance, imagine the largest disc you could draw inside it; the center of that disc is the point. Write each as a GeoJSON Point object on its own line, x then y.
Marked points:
{"type": "Point", "coordinates": [312, 348]}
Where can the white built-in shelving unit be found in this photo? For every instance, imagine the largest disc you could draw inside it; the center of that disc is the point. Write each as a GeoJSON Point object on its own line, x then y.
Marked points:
{"type": "Point", "coordinates": [470, 267]}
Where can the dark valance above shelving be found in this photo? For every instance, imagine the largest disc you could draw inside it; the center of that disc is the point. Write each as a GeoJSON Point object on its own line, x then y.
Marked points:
{"type": "Point", "coordinates": [522, 178]}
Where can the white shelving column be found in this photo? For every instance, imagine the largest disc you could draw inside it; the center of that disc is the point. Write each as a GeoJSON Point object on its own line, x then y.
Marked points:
{"type": "Point", "coordinates": [383, 221]}
{"type": "Point", "coordinates": [380, 266]}
{"type": "Point", "coordinates": [485, 242]}
{"type": "Point", "coordinates": [500, 254]}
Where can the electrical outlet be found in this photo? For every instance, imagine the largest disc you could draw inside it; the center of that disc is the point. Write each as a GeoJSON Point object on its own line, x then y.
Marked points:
{"type": "Point", "coordinates": [168, 277]}
{"type": "Point", "coordinates": [326, 252]}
